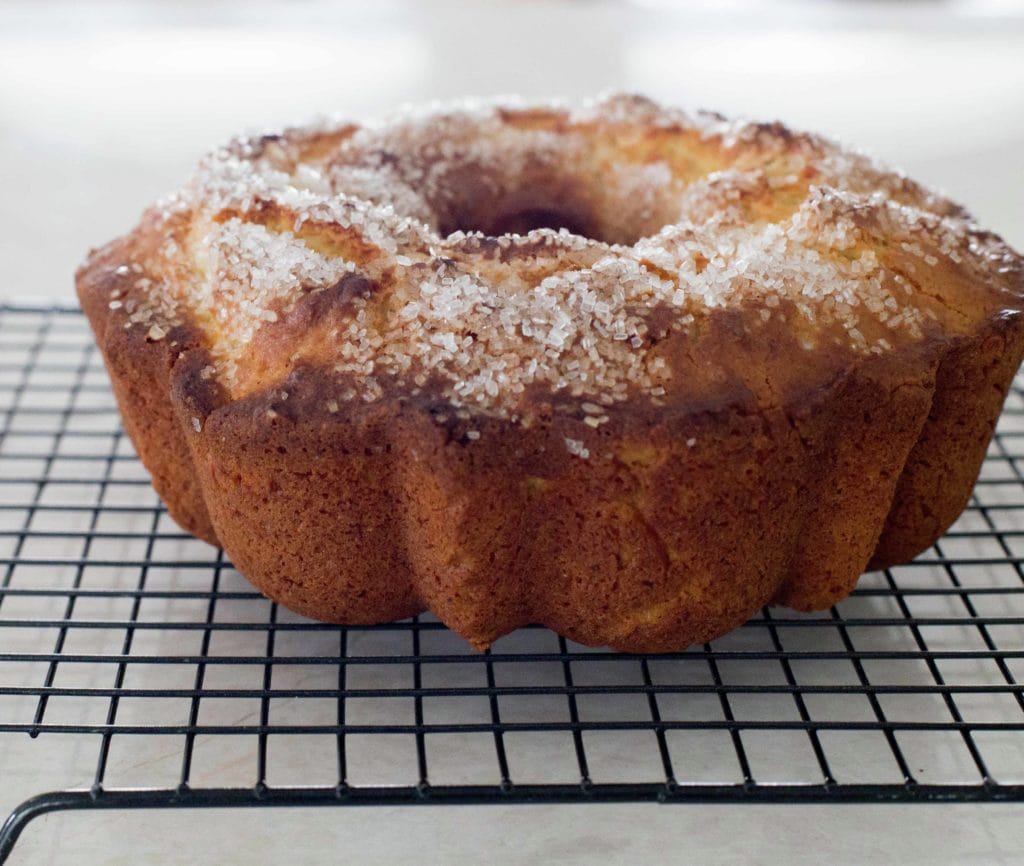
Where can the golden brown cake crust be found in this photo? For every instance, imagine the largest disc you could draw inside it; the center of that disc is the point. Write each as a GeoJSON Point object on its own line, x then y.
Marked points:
{"type": "Point", "coordinates": [798, 375]}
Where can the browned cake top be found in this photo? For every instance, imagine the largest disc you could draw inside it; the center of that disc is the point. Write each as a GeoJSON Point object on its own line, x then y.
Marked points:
{"type": "Point", "coordinates": [483, 252]}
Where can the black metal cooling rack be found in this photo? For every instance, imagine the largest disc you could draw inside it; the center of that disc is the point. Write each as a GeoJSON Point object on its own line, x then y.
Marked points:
{"type": "Point", "coordinates": [174, 684]}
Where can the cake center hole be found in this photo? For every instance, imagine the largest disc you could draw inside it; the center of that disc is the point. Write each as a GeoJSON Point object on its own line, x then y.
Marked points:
{"type": "Point", "coordinates": [523, 221]}
{"type": "Point", "coordinates": [520, 211]}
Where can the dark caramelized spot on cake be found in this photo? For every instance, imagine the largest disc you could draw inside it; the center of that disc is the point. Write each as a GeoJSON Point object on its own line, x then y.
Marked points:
{"type": "Point", "coordinates": [351, 286]}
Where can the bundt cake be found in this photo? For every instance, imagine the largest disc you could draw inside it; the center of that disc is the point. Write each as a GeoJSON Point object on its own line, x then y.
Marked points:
{"type": "Point", "coordinates": [622, 370]}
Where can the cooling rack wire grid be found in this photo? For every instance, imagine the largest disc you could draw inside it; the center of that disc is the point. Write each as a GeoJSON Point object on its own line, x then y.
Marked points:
{"type": "Point", "coordinates": [139, 660]}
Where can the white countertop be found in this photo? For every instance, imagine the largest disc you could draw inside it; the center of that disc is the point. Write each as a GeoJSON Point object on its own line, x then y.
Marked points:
{"type": "Point", "coordinates": [103, 110]}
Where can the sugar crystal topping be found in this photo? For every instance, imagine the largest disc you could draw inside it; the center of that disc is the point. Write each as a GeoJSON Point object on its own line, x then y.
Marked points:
{"type": "Point", "coordinates": [712, 215]}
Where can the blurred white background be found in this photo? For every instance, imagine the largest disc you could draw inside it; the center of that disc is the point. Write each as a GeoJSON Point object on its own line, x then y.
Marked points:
{"type": "Point", "coordinates": [105, 106]}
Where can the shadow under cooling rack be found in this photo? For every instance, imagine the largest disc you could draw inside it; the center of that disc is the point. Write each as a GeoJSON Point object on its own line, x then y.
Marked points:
{"type": "Point", "coordinates": [147, 670]}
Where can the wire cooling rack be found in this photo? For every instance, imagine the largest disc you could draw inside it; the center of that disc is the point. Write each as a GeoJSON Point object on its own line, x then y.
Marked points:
{"type": "Point", "coordinates": [181, 686]}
